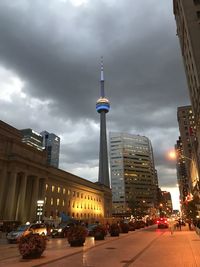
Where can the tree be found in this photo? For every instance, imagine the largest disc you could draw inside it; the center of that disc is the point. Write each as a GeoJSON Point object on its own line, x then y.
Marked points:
{"type": "Point", "coordinates": [191, 209]}
{"type": "Point", "coordinates": [138, 209]}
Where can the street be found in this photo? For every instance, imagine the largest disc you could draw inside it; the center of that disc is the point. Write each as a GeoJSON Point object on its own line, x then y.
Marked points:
{"type": "Point", "coordinates": [149, 247]}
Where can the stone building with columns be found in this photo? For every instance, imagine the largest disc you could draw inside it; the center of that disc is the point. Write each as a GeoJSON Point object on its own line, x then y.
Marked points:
{"type": "Point", "coordinates": [25, 178]}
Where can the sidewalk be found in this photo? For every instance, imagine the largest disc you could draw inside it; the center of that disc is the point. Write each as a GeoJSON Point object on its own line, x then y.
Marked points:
{"type": "Point", "coordinates": [182, 249]}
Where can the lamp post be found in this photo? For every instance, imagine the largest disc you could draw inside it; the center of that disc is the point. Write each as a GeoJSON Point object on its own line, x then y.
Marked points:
{"type": "Point", "coordinates": [40, 204]}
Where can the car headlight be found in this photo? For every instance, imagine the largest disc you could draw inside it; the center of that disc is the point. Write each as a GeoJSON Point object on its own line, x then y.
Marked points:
{"type": "Point", "coordinates": [59, 230]}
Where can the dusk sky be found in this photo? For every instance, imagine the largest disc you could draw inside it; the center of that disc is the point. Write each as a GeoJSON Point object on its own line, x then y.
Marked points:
{"type": "Point", "coordinates": [50, 70]}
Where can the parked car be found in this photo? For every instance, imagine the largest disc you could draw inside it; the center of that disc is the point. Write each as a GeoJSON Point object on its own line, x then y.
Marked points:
{"type": "Point", "coordinates": [8, 226]}
{"type": "Point", "coordinates": [162, 223]}
{"type": "Point", "coordinates": [60, 230]}
{"type": "Point", "coordinates": [91, 227]}
{"type": "Point", "coordinates": [25, 229]}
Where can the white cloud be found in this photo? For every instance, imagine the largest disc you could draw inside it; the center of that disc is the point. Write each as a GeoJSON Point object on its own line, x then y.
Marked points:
{"type": "Point", "coordinates": [11, 86]}
{"type": "Point", "coordinates": [175, 196]}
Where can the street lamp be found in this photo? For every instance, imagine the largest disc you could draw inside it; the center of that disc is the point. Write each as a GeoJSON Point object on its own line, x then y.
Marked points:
{"type": "Point", "coordinates": [40, 204]}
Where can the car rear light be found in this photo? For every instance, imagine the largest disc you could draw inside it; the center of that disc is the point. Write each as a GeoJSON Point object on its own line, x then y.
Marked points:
{"type": "Point", "coordinates": [158, 221]}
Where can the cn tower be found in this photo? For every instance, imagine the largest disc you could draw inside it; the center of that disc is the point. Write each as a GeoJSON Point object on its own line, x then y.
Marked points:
{"type": "Point", "coordinates": [103, 107]}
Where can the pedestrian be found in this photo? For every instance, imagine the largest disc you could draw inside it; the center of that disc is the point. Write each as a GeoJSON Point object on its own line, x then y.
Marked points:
{"type": "Point", "coordinates": [171, 225]}
{"type": "Point", "coordinates": [179, 224]}
{"type": "Point", "coordinates": [190, 224]}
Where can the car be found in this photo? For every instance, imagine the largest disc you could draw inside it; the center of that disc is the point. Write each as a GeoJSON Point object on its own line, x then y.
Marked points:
{"type": "Point", "coordinates": [60, 230]}
{"type": "Point", "coordinates": [162, 223]}
{"type": "Point", "coordinates": [25, 229]}
{"type": "Point", "coordinates": [91, 227]}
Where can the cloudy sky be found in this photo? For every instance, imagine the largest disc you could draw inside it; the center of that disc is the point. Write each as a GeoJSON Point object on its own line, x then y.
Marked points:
{"type": "Point", "coordinates": [50, 69]}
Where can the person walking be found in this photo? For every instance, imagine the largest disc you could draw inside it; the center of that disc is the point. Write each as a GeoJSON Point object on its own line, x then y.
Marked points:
{"type": "Point", "coordinates": [190, 224]}
{"type": "Point", "coordinates": [179, 224]}
{"type": "Point", "coordinates": [171, 225]}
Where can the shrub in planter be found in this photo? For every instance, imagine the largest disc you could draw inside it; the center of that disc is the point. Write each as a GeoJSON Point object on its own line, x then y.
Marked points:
{"type": "Point", "coordinates": [76, 235]}
{"type": "Point", "coordinates": [32, 246]}
{"type": "Point", "coordinates": [99, 232]}
{"type": "Point", "coordinates": [114, 229]}
{"type": "Point", "coordinates": [124, 227]}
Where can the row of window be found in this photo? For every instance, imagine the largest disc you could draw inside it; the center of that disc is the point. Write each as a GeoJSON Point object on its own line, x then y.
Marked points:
{"type": "Point", "coordinates": [64, 191]}
{"type": "Point", "coordinates": [59, 202]}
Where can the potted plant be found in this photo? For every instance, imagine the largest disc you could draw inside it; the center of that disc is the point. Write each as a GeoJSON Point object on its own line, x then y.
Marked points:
{"type": "Point", "coordinates": [114, 229]}
{"type": "Point", "coordinates": [32, 246]}
{"type": "Point", "coordinates": [99, 232]}
{"type": "Point", "coordinates": [76, 235]}
{"type": "Point", "coordinates": [124, 227]}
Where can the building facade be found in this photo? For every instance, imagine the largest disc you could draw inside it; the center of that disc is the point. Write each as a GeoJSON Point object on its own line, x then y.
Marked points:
{"type": "Point", "coordinates": [25, 177]}
{"type": "Point", "coordinates": [187, 154]}
{"type": "Point", "coordinates": [187, 15]}
{"type": "Point", "coordinates": [182, 173]}
{"type": "Point", "coordinates": [166, 207]}
{"type": "Point", "coordinates": [51, 143]}
{"type": "Point", "coordinates": [133, 175]}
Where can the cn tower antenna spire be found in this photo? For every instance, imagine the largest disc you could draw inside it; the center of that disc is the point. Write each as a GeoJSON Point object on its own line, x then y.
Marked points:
{"type": "Point", "coordinates": [102, 79]}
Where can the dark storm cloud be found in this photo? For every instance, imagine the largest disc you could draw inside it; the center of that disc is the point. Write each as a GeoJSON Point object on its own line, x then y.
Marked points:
{"type": "Point", "coordinates": [55, 49]}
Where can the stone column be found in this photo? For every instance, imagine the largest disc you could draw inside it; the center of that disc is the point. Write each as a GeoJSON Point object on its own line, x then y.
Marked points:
{"type": "Point", "coordinates": [21, 212]}
{"type": "Point", "coordinates": [44, 188]}
{"type": "Point", "coordinates": [3, 193]}
{"type": "Point", "coordinates": [9, 204]}
{"type": "Point", "coordinates": [34, 199]}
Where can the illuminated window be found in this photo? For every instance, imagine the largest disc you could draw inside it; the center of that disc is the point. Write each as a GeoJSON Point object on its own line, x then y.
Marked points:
{"type": "Point", "coordinates": [81, 195]}
{"type": "Point", "coordinates": [68, 192]}
{"type": "Point", "coordinates": [52, 188]}
{"type": "Point", "coordinates": [64, 191]}
{"type": "Point", "coordinates": [47, 187]}
{"type": "Point", "coordinates": [63, 203]}
{"type": "Point", "coordinates": [58, 201]}
{"type": "Point", "coordinates": [51, 201]}
{"type": "Point", "coordinates": [58, 189]}
{"type": "Point", "coordinates": [45, 200]}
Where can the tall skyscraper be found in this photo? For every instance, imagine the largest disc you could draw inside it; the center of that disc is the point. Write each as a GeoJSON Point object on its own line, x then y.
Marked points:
{"type": "Point", "coordinates": [187, 129]}
{"type": "Point", "coordinates": [51, 142]}
{"type": "Point", "coordinates": [187, 15]}
{"type": "Point", "coordinates": [133, 175]}
{"type": "Point", "coordinates": [187, 160]}
{"type": "Point", "coordinates": [182, 173]}
{"type": "Point", "coordinates": [102, 107]}
{"type": "Point", "coordinates": [32, 138]}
